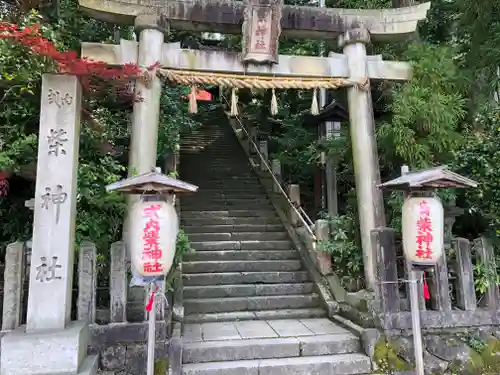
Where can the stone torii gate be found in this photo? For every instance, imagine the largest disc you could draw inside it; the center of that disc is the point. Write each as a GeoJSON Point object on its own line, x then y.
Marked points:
{"type": "Point", "coordinates": [353, 29]}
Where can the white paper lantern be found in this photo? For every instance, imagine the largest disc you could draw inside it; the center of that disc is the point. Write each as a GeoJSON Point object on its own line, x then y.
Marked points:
{"type": "Point", "coordinates": [423, 227]}
{"type": "Point", "coordinates": [153, 234]}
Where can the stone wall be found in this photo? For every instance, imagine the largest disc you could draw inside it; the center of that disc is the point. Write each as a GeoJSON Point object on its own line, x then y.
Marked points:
{"type": "Point", "coordinates": [123, 346]}
{"type": "Point", "coordinates": [121, 337]}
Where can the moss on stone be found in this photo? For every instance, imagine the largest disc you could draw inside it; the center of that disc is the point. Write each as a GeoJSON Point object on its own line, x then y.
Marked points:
{"type": "Point", "coordinates": [491, 356]}
{"type": "Point", "coordinates": [387, 359]}
{"type": "Point", "coordinates": [161, 366]}
{"type": "Point", "coordinates": [485, 363]}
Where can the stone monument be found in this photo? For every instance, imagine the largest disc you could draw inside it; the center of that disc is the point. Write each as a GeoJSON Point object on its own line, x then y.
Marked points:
{"type": "Point", "coordinates": [50, 343]}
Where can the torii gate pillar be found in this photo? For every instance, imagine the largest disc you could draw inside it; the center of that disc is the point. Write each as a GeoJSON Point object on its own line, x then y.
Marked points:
{"type": "Point", "coordinates": [146, 114]}
{"type": "Point", "coordinates": [364, 147]}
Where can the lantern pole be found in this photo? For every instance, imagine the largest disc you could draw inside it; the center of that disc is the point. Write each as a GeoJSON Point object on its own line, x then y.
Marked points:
{"type": "Point", "coordinates": [152, 331]}
{"type": "Point", "coordinates": [415, 276]}
{"type": "Point", "coordinates": [154, 187]}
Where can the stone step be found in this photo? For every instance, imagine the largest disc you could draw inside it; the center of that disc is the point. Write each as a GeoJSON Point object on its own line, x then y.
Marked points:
{"type": "Point", "coordinates": [256, 315]}
{"type": "Point", "coordinates": [227, 200]}
{"type": "Point", "coordinates": [225, 186]}
{"type": "Point", "coordinates": [246, 290]}
{"type": "Point", "coordinates": [225, 183]}
{"type": "Point", "coordinates": [235, 220]}
{"type": "Point", "coordinates": [238, 236]}
{"type": "Point", "coordinates": [239, 266]}
{"type": "Point", "coordinates": [232, 189]}
{"type": "Point", "coordinates": [216, 305]}
{"type": "Point", "coordinates": [218, 152]}
{"type": "Point", "coordinates": [214, 173]}
{"type": "Point", "coordinates": [221, 198]}
{"type": "Point", "coordinates": [229, 197]}
{"type": "Point", "coordinates": [228, 278]}
{"type": "Point", "coordinates": [229, 180]}
{"type": "Point", "coordinates": [224, 206]}
{"type": "Point", "coordinates": [249, 349]}
{"type": "Point", "coordinates": [238, 228]}
{"type": "Point", "coordinates": [200, 170]}
{"type": "Point", "coordinates": [243, 245]}
{"type": "Point", "coordinates": [222, 214]}
{"type": "Point", "coordinates": [241, 255]}
{"type": "Point", "coordinates": [337, 364]}
{"type": "Point", "coordinates": [221, 173]}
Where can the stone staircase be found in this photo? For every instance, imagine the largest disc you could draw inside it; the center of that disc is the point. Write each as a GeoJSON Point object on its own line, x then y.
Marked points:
{"type": "Point", "coordinates": [251, 308]}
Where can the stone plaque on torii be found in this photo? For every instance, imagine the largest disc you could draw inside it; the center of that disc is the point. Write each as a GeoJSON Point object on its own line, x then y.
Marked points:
{"type": "Point", "coordinates": [264, 22]}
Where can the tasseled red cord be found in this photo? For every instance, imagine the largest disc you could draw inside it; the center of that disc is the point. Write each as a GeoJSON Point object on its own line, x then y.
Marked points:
{"type": "Point", "coordinates": [427, 295]}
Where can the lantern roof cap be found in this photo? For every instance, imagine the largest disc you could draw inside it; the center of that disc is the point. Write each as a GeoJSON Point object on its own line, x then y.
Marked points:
{"type": "Point", "coordinates": [152, 183]}
{"type": "Point", "coordinates": [431, 178]}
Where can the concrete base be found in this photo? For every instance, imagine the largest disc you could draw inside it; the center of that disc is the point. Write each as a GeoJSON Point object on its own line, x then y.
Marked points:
{"type": "Point", "coordinates": [48, 352]}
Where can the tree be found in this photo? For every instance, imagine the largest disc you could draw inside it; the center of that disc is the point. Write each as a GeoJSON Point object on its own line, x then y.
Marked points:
{"type": "Point", "coordinates": [106, 118]}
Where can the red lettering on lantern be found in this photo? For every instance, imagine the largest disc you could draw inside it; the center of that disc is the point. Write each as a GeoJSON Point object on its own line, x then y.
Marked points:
{"type": "Point", "coordinates": [424, 236]}
{"type": "Point", "coordinates": [151, 250]}
{"type": "Point", "coordinates": [152, 211]}
{"type": "Point", "coordinates": [154, 267]}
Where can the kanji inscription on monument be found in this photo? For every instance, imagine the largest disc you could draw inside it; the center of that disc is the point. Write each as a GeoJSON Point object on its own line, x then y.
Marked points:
{"type": "Point", "coordinates": [51, 276]}
{"type": "Point", "coordinates": [55, 199]}
{"type": "Point", "coordinates": [46, 270]}
{"type": "Point", "coordinates": [261, 31]}
{"type": "Point", "coordinates": [59, 99]}
{"type": "Point", "coordinates": [57, 139]}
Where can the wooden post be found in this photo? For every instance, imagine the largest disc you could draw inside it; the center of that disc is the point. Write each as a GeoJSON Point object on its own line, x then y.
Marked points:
{"type": "Point", "coordinates": [294, 195]}
{"type": "Point", "coordinates": [439, 286]}
{"type": "Point", "coordinates": [466, 293]}
{"type": "Point", "coordinates": [386, 270]}
{"type": "Point", "coordinates": [323, 259]}
{"type": "Point", "coordinates": [276, 168]}
{"type": "Point", "coordinates": [332, 130]}
{"type": "Point", "coordinates": [484, 251]}
{"type": "Point", "coordinates": [264, 151]}
{"type": "Point", "coordinates": [87, 282]}
{"type": "Point", "coordinates": [118, 285]}
{"type": "Point", "coordinates": [170, 163]}
{"type": "Point", "coordinates": [13, 285]}
{"type": "Point", "coordinates": [252, 132]}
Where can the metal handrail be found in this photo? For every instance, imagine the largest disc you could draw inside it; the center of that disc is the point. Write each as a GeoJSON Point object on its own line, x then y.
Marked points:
{"type": "Point", "coordinates": [299, 211]}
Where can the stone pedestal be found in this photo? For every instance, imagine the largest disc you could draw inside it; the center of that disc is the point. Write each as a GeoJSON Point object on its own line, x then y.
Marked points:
{"type": "Point", "coordinates": [50, 343]}
{"type": "Point", "coordinates": [48, 352]}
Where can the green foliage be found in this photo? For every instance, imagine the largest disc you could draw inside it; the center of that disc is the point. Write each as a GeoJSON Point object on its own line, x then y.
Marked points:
{"type": "Point", "coordinates": [485, 277]}
{"type": "Point", "coordinates": [183, 246]}
{"type": "Point", "coordinates": [104, 139]}
{"type": "Point", "coordinates": [479, 156]}
{"type": "Point", "coordinates": [484, 358]}
{"type": "Point", "coordinates": [174, 118]}
{"type": "Point", "coordinates": [426, 112]}
{"type": "Point", "coordinates": [161, 366]}
{"type": "Point", "coordinates": [345, 251]}
{"type": "Point", "coordinates": [294, 148]}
